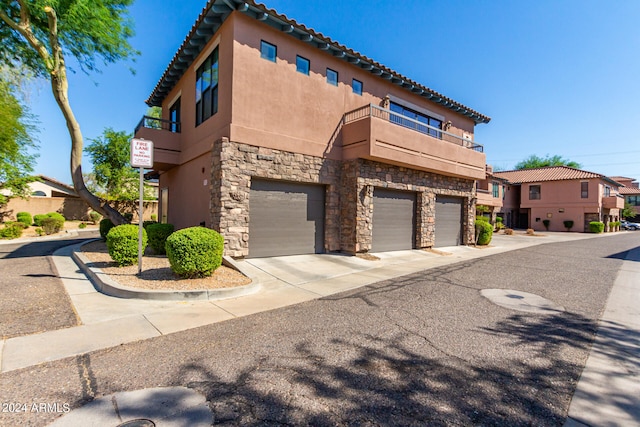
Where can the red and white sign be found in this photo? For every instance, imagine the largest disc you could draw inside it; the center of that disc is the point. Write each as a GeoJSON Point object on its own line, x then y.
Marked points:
{"type": "Point", "coordinates": [141, 153]}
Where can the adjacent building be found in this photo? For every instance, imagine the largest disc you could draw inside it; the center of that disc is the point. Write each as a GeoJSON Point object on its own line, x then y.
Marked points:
{"type": "Point", "coordinates": [631, 193]}
{"type": "Point", "coordinates": [288, 142]}
{"type": "Point", "coordinates": [558, 194]}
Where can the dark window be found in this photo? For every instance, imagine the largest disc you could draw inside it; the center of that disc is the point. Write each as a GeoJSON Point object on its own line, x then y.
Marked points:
{"type": "Point", "coordinates": [268, 51]}
{"type": "Point", "coordinates": [421, 119]}
{"type": "Point", "coordinates": [607, 191]}
{"type": "Point", "coordinates": [174, 116]}
{"type": "Point", "coordinates": [584, 190]}
{"type": "Point", "coordinates": [534, 192]}
{"type": "Point", "coordinates": [496, 190]}
{"type": "Point", "coordinates": [633, 200]}
{"type": "Point", "coordinates": [357, 86]}
{"type": "Point", "coordinates": [302, 65]}
{"type": "Point", "coordinates": [332, 77]}
{"type": "Point", "coordinates": [207, 88]}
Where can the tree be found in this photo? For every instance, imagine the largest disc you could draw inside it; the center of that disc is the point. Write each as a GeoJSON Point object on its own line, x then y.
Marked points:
{"type": "Point", "coordinates": [38, 34]}
{"type": "Point", "coordinates": [534, 161]}
{"type": "Point", "coordinates": [16, 138]}
{"type": "Point", "coordinates": [112, 169]}
{"type": "Point", "coordinates": [629, 211]}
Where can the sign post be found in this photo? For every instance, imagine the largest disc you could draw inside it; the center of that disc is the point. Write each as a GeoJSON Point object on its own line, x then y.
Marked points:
{"type": "Point", "coordinates": [141, 158]}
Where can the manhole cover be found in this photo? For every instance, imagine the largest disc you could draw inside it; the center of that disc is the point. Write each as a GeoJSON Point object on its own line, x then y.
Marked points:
{"type": "Point", "coordinates": [521, 301]}
{"type": "Point", "coordinates": [138, 423]}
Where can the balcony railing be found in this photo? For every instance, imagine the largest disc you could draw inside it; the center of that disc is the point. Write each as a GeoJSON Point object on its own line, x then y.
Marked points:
{"type": "Point", "coordinates": [372, 110]}
{"type": "Point", "coordinates": [160, 124]}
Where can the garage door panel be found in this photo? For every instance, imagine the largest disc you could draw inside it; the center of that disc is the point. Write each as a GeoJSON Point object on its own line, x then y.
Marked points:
{"type": "Point", "coordinates": [448, 221]}
{"type": "Point", "coordinates": [285, 218]}
{"type": "Point", "coordinates": [393, 220]}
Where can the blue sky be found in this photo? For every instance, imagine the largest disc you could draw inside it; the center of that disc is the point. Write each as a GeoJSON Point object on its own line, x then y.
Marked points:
{"type": "Point", "coordinates": [556, 77]}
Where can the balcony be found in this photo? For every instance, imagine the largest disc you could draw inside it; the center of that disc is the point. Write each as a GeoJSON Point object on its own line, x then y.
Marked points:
{"type": "Point", "coordinates": [375, 133]}
{"type": "Point", "coordinates": [166, 141]}
{"type": "Point", "coordinates": [485, 197]}
{"type": "Point", "coordinates": [613, 202]}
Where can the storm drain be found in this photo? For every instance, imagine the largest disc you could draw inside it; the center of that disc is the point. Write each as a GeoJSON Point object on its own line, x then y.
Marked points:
{"type": "Point", "coordinates": [521, 301]}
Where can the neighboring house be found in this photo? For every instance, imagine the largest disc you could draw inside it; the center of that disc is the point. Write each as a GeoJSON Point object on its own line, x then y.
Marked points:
{"type": "Point", "coordinates": [631, 193]}
{"type": "Point", "coordinates": [490, 194]}
{"type": "Point", "coordinates": [287, 142]}
{"type": "Point", "coordinates": [558, 194]}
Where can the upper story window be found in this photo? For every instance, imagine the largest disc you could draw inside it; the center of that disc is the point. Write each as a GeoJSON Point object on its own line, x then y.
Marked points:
{"type": "Point", "coordinates": [633, 200]}
{"type": "Point", "coordinates": [584, 190]}
{"type": "Point", "coordinates": [268, 51]}
{"type": "Point", "coordinates": [401, 110]}
{"type": "Point", "coordinates": [607, 191]}
{"type": "Point", "coordinates": [302, 65]}
{"type": "Point", "coordinates": [332, 77]}
{"type": "Point", "coordinates": [496, 190]}
{"type": "Point", "coordinates": [174, 116]}
{"type": "Point", "coordinates": [534, 192]}
{"type": "Point", "coordinates": [207, 88]}
{"type": "Point", "coordinates": [357, 86]}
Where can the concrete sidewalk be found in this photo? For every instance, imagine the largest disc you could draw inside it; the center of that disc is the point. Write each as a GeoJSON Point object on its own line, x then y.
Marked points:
{"type": "Point", "coordinates": [108, 321]}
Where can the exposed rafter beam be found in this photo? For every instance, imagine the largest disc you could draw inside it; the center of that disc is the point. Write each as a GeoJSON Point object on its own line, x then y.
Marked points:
{"type": "Point", "coordinates": [212, 20]}
{"type": "Point", "coordinates": [262, 16]}
{"type": "Point", "coordinates": [339, 54]}
{"type": "Point", "coordinates": [242, 7]}
{"type": "Point", "coordinates": [230, 3]}
{"type": "Point", "coordinates": [306, 37]}
{"type": "Point", "coordinates": [287, 28]}
{"type": "Point", "coordinates": [323, 46]}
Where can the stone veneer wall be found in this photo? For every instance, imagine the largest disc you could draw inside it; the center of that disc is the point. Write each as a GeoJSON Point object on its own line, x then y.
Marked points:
{"type": "Point", "coordinates": [370, 174]}
{"type": "Point", "coordinates": [349, 195]}
{"type": "Point", "coordinates": [234, 165]}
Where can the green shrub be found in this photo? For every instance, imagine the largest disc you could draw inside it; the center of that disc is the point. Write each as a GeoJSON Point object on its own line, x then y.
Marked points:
{"type": "Point", "coordinates": [546, 223]}
{"type": "Point", "coordinates": [37, 219]}
{"type": "Point", "coordinates": [82, 225]}
{"type": "Point", "coordinates": [51, 225]}
{"type": "Point", "coordinates": [596, 227]}
{"type": "Point", "coordinates": [499, 219]}
{"type": "Point", "coordinates": [195, 251]}
{"type": "Point", "coordinates": [482, 218]}
{"type": "Point", "coordinates": [158, 234]}
{"type": "Point", "coordinates": [128, 216]}
{"type": "Point", "coordinates": [22, 225]}
{"type": "Point", "coordinates": [154, 217]}
{"type": "Point", "coordinates": [94, 216]}
{"type": "Point", "coordinates": [25, 218]}
{"type": "Point", "coordinates": [145, 224]}
{"type": "Point", "coordinates": [568, 224]}
{"type": "Point", "coordinates": [57, 216]}
{"type": "Point", "coordinates": [39, 231]}
{"type": "Point", "coordinates": [11, 231]}
{"type": "Point", "coordinates": [484, 231]}
{"type": "Point", "coordinates": [105, 226]}
{"type": "Point", "coordinates": [122, 244]}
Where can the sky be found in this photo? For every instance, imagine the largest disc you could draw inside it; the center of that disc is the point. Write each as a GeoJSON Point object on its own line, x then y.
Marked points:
{"type": "Point", "coordinates": [556, 77]}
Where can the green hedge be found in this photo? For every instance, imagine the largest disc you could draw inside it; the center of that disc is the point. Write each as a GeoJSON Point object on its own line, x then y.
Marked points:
{"type": "Point", "coordinates": [37, 219]}
{"type": "Point", "coordinates": [25, 218]}
{"type": "Point", "coordinates": [122, 244]}
{"type": "Point", "coordinates": [105, 226]}
{"type": "Point", "coordinates": [158, 234]}
{"type": "Point", "coordinates": [484, 231]}
{"type": "Point", "coordinates": [195, 251]}
{"type": "Point", "coordinates": [11, 231]}
{"type": "Point", "coordinates": [568, 224]}
{"type": "Point", "coordinates": [596, 227]}
{"type": "Point", "coordinates": [52, 224]}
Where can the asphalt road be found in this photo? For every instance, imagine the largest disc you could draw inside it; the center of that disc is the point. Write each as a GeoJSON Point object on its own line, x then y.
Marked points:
{"type": "Point", "coordinates": [423, 349]}
{"type": "Point", "coordinates": [32, 297]}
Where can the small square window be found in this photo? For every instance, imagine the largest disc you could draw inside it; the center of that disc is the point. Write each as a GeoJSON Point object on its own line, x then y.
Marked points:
{"type": "Point", "coordinates": [268, 51]}
{"type": "Point", "coordinates": [534, 192]}
{"type": "Point", "coordinates": [357, 86]}
{"type": "Point", "coordinates": [332, 77]}
{"type": "Point", "coordinates": [302, 65]}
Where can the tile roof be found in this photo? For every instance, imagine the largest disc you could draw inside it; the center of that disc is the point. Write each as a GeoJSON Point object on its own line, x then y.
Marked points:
{"type": "Point", "coordinates": [217, 11]}
{"type": "Point", "coordinates": [629, 190]}
{"type": "Point", "coordinates": [549, 173]}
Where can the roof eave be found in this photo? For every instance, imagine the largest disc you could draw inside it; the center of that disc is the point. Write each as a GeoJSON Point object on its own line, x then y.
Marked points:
{"type": "Point", "coordinates": [217, 11]}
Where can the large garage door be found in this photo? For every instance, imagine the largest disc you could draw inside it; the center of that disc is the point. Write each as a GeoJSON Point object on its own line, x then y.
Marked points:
{"type": "Point", "coordinates": [285, 218]}
{"type": "Point", "coordinates": [448, 221]}
{"type": "Point", "coordinates": [394, 217]}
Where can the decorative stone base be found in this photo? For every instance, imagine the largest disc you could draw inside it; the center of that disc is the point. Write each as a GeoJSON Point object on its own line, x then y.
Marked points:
{"type": "Point", "coordinates": [349, 194]}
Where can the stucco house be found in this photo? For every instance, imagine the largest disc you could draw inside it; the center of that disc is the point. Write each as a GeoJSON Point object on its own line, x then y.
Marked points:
{"type": "Point", "coordinates": [558, 194]}
{"type": "Point", "coordinates": [287, 142]}
{"type": "Point", "coordinates": [631, 193]}
{"type": "Point", "coordinates": [490, 194]}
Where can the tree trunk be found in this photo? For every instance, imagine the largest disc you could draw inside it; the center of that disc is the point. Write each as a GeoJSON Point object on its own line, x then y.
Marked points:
{"type": "Point", "coordinates": [60, 86]}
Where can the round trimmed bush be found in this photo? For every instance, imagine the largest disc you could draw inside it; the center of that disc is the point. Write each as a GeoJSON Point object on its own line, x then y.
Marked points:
{"type": "Point", "coordinates": [105, 226]}
{"type": "Point", "coordinates": [195, 252]}
{"type": "Point", "coordinates": [37, 219]}
{"type": "Point", "coordinates": [596, 227]}
{"type": "Point", "coordinates": [11, 231]}
{"type": "Point", "coordinates": [25, 218]}
{"type": "Point", "coordinates": [158, 234]}
{"type": "Point", "coordinates": [484, 231]}
{"type": "Point", "coordinates": [52, 224]}
{"type": "Point", "coordinates": [122, 244]}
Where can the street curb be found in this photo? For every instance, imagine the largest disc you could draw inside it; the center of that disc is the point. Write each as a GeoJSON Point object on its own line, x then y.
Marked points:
{"type": "Point", "coordinates": [106, 285]}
